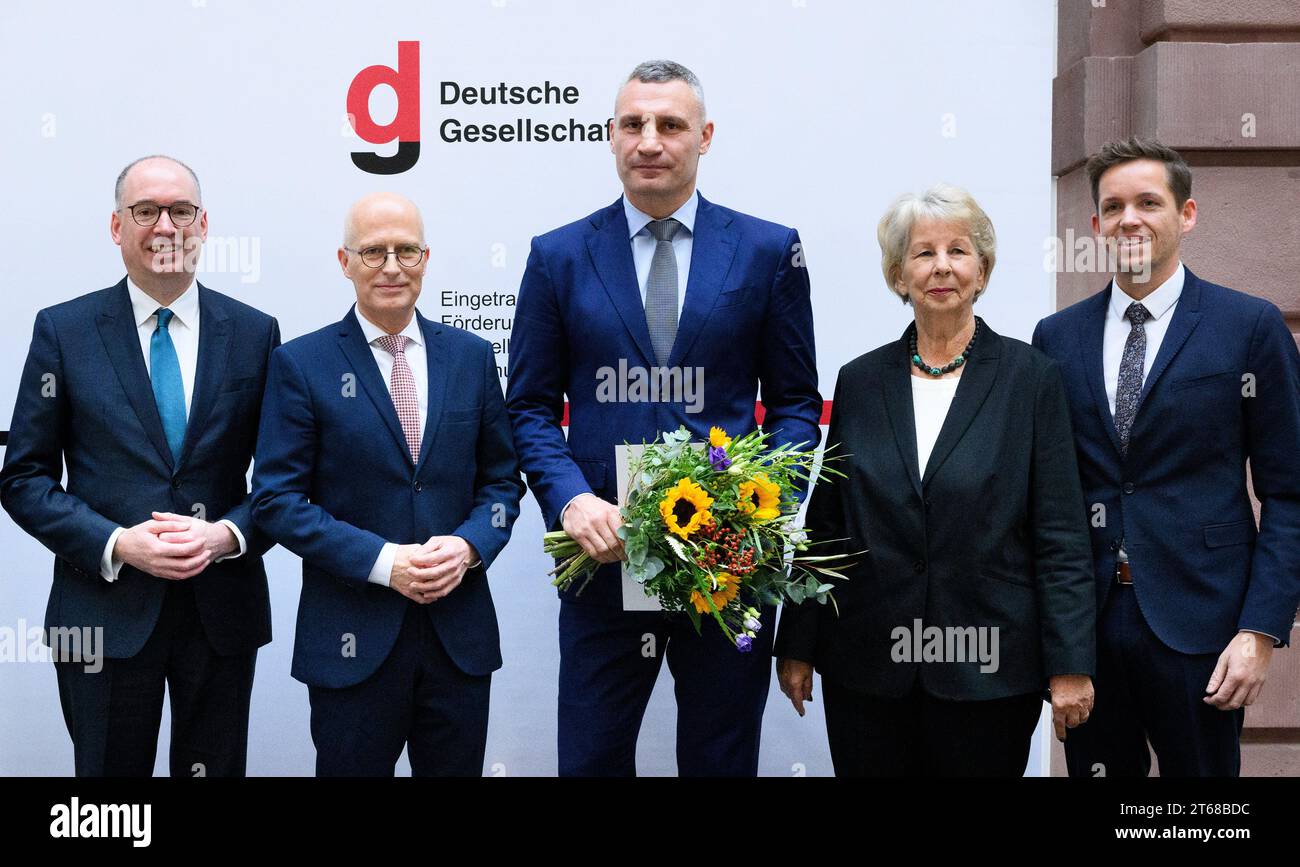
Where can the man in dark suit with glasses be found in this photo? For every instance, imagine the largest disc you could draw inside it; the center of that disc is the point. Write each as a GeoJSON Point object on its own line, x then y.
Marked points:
{"type": "Point", "coordinates": [149, 391]}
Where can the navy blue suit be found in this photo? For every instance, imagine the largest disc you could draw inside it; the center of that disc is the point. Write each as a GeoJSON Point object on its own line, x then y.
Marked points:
{"type": "Point", "coordinates": [334, 481]}
{"type": "Point", "coordinates": [1224, 389]}
{"type": "Point", "coordinates": [85, 398]}
{"type": "Point", "coordinates": [746, 321]}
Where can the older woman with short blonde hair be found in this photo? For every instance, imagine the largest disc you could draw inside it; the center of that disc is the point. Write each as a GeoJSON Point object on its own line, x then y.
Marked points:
{"type": "Point", "coordinates": [972, 593]}
{"type": "Point", "coordinates": [942, 202]}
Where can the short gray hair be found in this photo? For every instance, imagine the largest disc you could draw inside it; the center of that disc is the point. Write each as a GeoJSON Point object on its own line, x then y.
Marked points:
{"type": "Point", "coordinates": [662, 71]}
{"type": "Point", "coordinates": [942, 202]}
{"type": "Point", "coordinates": [121, 178]}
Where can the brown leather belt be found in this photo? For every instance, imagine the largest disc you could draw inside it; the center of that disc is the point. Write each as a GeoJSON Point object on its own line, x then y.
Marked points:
{"type": "Point", "coordinates": [1122, 573]}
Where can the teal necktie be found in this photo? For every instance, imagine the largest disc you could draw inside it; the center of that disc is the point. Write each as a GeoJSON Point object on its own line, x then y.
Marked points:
{"type": "Point", "coordinates": [168, 390]}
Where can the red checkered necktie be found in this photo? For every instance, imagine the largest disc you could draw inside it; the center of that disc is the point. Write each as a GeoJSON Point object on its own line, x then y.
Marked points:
{"type": "Point", "coordinates": [401, 385]}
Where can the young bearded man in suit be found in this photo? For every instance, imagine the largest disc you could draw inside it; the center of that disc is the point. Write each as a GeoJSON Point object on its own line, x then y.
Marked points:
{"type": "Point", "coordinates": [149, 391]}
{"type": "Point", "coordinates": [1175, 385]}
{"type": "Point", "coordinates": [660, 282]}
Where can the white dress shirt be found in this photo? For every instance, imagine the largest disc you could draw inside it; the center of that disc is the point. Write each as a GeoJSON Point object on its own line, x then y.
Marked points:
{"type": "Point", "coordinates": [1160, 304]}
{"type": "Point", "coordinates": [417, 360]}
{"type": "Point", "coordinates": [184, 332]}
{"type": "Point", "coordinates": [931, 399]}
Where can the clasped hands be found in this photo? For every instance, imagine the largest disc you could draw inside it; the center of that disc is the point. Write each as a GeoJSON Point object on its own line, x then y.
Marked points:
{"type": "Point", "coordinates": [174, 546]}
{"type": "Point", "coordinates": [428, 572]}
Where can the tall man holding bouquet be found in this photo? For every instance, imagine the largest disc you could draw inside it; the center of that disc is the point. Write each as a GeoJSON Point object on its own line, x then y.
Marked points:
{"type": "Point", "coordinates": [664, 285]}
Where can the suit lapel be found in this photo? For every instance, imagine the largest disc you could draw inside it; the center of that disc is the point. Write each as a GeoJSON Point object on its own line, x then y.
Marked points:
{"type": "Point", "coordinates": [896, 385]}
{"type": "Point", "coordinates": [435, 353]}
{"type": "Point", "coordinates": [976, 382]}
{"type": "Point", "coordinates": [210, 374]}
{"type": "Point", "coordinates": [1187, 314]}
{"type": "Point", "coordinates": [116, 325]}
{"type": "Point", "coordinates": [713, 247]}
{"type": "Point", "coordinates": [1092, 353]}
{"type": "Point", "coordinates": [611, 256]}
{"type": "Point", "coordinates": [353, 343]}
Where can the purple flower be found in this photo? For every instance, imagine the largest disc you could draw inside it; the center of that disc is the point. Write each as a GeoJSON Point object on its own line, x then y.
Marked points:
{"type": "Point", "coordinates": [744, 643]}
{"type": "Point", "coordinates": [718, 457]}
{"type": "Point", "coordinates": [752, 624]}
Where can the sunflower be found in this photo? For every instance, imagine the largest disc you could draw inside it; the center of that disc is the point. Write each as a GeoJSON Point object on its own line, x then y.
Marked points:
{"type": "Point", "coordinates": [718, 438]}
{"type": "Point", "coordinates": [728, 586]}
{"type": "Point", "coordinates": [760, 498]}
{"type": "Point", "coordinates": [685, 508]}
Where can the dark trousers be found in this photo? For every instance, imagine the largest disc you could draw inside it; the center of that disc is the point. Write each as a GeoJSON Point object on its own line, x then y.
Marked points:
{"type": "Point", "coordinates": [113, 714]}
{"type": "Point", "coordinates": [1146, 691]}
{"type": "Point", "coordinates": [609, 661]}
{"type": "Point", "coordinates": [417, 699]}
{"type": "Point", "coordinates": [919, 735]}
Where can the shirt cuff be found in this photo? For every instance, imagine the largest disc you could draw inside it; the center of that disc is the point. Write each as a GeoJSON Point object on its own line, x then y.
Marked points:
{"type": "Point", "coordinates": [478, 561]}
{"type": "Point", "coordinates": [110, 566]}
{"type": "Point", "coordinates": [239, 537]}
{"type": "Point", "coordinates": [382, 571]}
{"type": "Point", "coordinates": [1277, 642]}
{"type": "Point", "coordinates": [566, 508]}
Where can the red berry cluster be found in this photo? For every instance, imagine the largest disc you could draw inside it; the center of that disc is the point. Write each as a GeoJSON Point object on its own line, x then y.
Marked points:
{"type": "Point", "coordinates": [724, 552]}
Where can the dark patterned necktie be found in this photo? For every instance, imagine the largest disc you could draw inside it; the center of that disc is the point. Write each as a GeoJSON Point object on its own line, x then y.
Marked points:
{"type": "Point", "coordinates": [1130, 373]}
{"type": "Point", "coordinates": [661, 290]}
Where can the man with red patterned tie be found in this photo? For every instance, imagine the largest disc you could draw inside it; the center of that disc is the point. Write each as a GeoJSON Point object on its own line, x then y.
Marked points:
{"type": "Point", "coordinates": [387, 464]}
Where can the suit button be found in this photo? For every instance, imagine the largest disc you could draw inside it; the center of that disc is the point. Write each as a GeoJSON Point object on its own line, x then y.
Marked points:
{"type": "Point", "coordinates": [927, 504]}
{"type": "Point", "coordinates": [419, 486]}
{"type": "Point", "coordinates": [1114, 544]}
{"type": "Point", "coordinates": [176, 484]}
{"type": "Point", "coordinates": [1129, 487]}
{"type": "Point", "coordinates": [918, 567]}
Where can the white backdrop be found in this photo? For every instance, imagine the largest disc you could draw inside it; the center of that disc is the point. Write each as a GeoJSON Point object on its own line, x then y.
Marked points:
{"type": "Point", "coordinates": [824, 112]}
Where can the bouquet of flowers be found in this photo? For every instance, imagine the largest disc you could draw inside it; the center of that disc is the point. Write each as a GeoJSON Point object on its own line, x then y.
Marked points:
{"type": "Point", "coordinates": [702, 525]}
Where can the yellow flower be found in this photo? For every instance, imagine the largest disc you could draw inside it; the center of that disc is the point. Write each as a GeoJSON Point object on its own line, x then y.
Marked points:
{"type": "Point", "coordinates": [728, 587]}
{"type": "Point", "coordinates": [685, 508]}
{"type": "Point", "coordinates": [760, 498]}
{"type": "Point", "coordinates": [718, 438]}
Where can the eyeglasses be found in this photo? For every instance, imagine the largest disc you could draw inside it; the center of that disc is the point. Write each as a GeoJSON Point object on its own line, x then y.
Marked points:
{"type": "Point", "coordinates": [409, 255]}
{"type": "Point", "coordinates": [147, 213]}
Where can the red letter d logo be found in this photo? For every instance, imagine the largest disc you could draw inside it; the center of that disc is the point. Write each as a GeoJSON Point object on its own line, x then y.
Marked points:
{"type": "Point", "coordinates": [405, 127]}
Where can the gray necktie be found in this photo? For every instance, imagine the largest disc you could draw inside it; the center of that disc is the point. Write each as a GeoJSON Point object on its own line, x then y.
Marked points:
{"type": "Point", "coordinates": [661, 290]}
{"type": "Point", "coordinates": [1130, 373]}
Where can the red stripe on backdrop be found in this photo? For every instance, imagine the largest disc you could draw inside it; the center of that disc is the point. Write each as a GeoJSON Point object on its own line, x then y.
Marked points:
{"type": "Point", "coordinates": [758, 413]}
{"type": "Point", "coordinates": [758, 417]}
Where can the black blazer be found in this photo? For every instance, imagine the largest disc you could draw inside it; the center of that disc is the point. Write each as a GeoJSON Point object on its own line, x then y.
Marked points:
{"type": "Point", "coordinates": [994, 535]}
